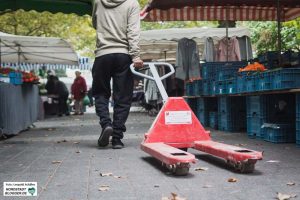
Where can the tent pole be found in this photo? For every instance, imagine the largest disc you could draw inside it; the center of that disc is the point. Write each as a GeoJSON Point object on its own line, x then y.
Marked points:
{"type": "Point", "coordinates": [227, 35]}
{"type": "Point", "coordinates": [279, 31]}
{"type": "Point", "coordinates": [19, 54]}
{"type": "Point", "coordinates": [0, 54]}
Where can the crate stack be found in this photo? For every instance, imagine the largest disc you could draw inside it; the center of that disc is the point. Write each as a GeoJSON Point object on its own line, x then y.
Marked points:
{"type": "Point", "coordinates": [256, 115]}
{"type": "Point", "coordinates": [194, 88]}
{"type": "Point", "coordinates": [298, 119]}
{"type": "Point", "coordinates": [213, 120]}
{"type": "Point", "coordinates": [231, 113]}
{"type": "Point", "coordinates": [278, 133]}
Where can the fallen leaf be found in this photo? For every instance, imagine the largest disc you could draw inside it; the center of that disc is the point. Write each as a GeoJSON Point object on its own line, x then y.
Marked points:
{"type": "Point", "coordinates": [273, 161]}
{"type": "Point", "coordinates": [232, 180]}
{"type": "Point", "coordinates": [119, 177]}
{"type": "Point", "coordinates": [174, 197]}
{"type": "Point", "coordinates": [201, 169]}
{"type": "Point", "coordinates": [103, 188]}
{"type": "Point", "coordinates": [50, 129]}
{"type": "Point", "coordinates": [156, 186]}
{"type": "Point", "coordinates": [76, 142]}
{"type": "Point", "coordinates": [207, 186]}
{"type": "Point", "coordinates": [76, 119]}
{"type": "Point", "coordinates": [281, 196]}
{"type": "Point", "coordinates": [56, 162]}
{"type": "Point", "coordinates": [78, 151]}
{"type": "Point", "coordinates": [106, 174]}
{"type": "Point", "coordinates": [291, 184]}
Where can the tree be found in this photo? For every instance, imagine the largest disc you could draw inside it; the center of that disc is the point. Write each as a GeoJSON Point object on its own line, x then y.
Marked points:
{"type": "Point", "coordinates": [264, 35]}
{"type": "Point", "coordinates": [75, 29]}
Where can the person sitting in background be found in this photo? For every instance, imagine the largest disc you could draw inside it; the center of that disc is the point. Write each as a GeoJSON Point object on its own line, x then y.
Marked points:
{"type": "Point", "coordinates": [78, 91]}
{"type": "Point", "coordinates": [50, 85]}
{"type": "Point", "coordinates": [63, 93]}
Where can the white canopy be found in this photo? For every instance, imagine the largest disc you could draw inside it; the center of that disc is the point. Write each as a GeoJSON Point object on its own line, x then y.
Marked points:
{"type": "Point", "coordinates": [161, 44]}
{"type": "Point", "coordinates": [36, 50]}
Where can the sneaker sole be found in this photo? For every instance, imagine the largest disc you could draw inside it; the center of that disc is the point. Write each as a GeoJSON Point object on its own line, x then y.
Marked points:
{"type": "Point", "coordinates": [117, 147]}
{"type": "Point", "coordinates": [103, 140]}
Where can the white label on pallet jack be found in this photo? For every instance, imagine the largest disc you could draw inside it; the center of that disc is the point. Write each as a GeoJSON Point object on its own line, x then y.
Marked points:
{"type": "Point", "coordinates": [178, 117]}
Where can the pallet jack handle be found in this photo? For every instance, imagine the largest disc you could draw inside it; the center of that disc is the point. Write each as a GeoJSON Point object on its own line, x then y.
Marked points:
{"type": "Point", "coordinates": [155, 76]}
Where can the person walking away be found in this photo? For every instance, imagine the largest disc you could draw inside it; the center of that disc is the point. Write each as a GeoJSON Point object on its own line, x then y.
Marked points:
{"type": "Point", "coordinates": [63, 93]}
{"type": "Point", "coordinates": [78, 91]}
{"type": "Point", "coordinates": [117, 23]}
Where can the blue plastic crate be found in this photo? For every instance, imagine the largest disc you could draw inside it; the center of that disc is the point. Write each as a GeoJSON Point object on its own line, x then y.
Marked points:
{"type": "Point", "coordinates": [264, 81]}
{"type": "Point", "coordinates": [298, 137]}
{"type": "Point", "coordinates": [286, 78]}
{"type": "Point", "coordinates": [201, 104]}
{"type": "Point", "coordinates": [254, 125]}
{"type": "Point", "coordinates": [221, 87]}
{"type": "Point", "coordinates": [231, 85]}
{"type": "Point", "coordinates": [298, 107]}
{"type": "Point", "coordinates": [240, 83]}
{"type": "Point", "coordinates": [213, 120]}
{"type": "Point", "coordinates": [225, 122]}
{"type": "Point", "coordinates": [198, 87]}
{"type": "Point", "coordinates": [229, 70]}
{"type": "Point", "coordinates": [209, 70]}
{"type": "Point", "coordinates": [213, 87]}
{"type": "Point", "coordinates": [203, 117]}
{"type": "Point", "coordinates": [206, 87]}
{"type": "Point", "coordinates": [189, 89]}
{"type": "Point", "coordinates": [250, 82]}
{"type": "Point", "coordinates": [256, 106]}
{"type": "Point", "coordinates": [279, 133]}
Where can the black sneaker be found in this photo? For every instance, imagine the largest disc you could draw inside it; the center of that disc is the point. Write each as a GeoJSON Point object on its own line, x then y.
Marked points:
{"type": "Point", "coordinates": [117, 143]}
{"type": "Point", "coordinates": [103, 140]}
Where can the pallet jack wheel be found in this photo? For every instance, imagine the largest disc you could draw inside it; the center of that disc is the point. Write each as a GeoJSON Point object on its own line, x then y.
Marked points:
{"type": "Point", "coordinates": [247, 167]}
{"type": "Point", "coordinates": [181, 171]}
{"type": "Point", "coordinates": [243, 167]}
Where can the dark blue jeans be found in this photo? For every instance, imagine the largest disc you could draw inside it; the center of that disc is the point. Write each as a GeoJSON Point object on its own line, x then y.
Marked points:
{"type": "Point", "coordinates": [116, 67]}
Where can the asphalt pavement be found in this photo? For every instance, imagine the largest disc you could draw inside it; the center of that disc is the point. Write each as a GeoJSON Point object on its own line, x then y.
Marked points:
{"type": "Point", "coordinates": [62, 156]}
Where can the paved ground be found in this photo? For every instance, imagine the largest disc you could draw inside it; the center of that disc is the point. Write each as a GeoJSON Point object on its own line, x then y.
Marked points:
{"type": "Point", "coordinates": [29, 156]}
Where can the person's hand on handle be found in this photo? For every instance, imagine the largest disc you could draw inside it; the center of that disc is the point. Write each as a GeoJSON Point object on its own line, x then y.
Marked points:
{"type": "Point", "coordinates": [138, 63]}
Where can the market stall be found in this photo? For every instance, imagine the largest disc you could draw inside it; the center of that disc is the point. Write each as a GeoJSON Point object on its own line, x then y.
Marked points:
{"type": "Point", "coordinates": [260, 99]}
{"type": "Point", "coordinates": [20, 103]}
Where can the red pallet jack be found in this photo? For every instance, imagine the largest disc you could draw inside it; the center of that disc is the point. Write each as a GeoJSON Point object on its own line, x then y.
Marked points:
{"type": "Point", "coordinates": [176, 128]}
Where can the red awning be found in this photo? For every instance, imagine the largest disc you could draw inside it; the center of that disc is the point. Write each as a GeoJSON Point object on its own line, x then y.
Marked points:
{"type": "Point", "coordinates": [211, 10]}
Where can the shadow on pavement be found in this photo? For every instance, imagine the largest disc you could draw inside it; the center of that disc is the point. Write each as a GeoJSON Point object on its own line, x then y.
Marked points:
{"type": "Point", "coordinates": [222, 164]}
{"type": "Point", "coordinates": [158, 166]}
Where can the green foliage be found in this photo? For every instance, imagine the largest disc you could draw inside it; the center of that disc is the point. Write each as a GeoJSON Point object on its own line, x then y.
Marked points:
{"type": "Point", "coordinates": [75, 29]}
{"type": "Point", "coordinates": [264, 35]}
{"type": "Point", "coordinates": [177, 24]}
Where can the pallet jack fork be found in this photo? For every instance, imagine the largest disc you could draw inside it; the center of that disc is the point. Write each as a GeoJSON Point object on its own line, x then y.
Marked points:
{"type": "Point", "coordinates": [176, 128]}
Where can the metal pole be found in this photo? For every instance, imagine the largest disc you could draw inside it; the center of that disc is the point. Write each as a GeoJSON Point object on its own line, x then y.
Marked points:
{"type": "Point", "coordinates": [279, 31]}
{"type": "Point", "coordinates": [0, 54]}
{"type": "Point", "coordinates": [227, 48]}
{"type": "Point", "coordinates": [19, 54]}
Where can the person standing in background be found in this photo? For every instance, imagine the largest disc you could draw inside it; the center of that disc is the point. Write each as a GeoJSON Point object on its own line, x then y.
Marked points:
{"type": "Point", "coordinates": [117, 23]}
{"type": "Point", "coordinates": [78, 91]}
{"type": "Point", "coordinates": [63, 93]}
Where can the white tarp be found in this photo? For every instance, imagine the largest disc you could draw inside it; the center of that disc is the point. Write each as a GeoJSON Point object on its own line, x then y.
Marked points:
{"type": "Point", "coordinates": [161, 44]}
{"type": "Point", "coordinates": [41, 50]}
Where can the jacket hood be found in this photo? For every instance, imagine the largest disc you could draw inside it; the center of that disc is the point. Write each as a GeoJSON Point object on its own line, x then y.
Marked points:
{"type": "Point", "coordinates": [112, 3]}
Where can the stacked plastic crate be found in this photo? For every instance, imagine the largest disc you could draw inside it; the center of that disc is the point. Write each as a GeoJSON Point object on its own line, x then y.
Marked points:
{"type": "Point", "coordinates": [208, 72]}
{"type": "Point", "coordinates": [231, 113]}
{"type": "Point", "coordinates": [202, 111]}
{"type": "Point", "coordinates": [298, 119]}
{"type": "Point", "coordinates": [213, 120]}
{"type": "Point", "coordinates": [256, 115]}
{"type": "Point", "coordinates": [281, 119]}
